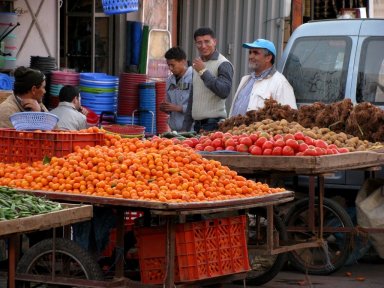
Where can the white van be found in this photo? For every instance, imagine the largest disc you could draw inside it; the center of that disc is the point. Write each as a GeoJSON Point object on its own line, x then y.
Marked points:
{"type": "Point", "coordinates": [330, 60]}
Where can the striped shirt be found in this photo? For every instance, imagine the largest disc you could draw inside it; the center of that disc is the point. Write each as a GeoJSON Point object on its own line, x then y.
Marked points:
{"type": "Point", "coordinates": [241, 103]}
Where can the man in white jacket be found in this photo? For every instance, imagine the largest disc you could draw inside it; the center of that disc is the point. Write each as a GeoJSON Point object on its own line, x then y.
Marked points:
{"type": "Point", "coordinates": [263, 83]}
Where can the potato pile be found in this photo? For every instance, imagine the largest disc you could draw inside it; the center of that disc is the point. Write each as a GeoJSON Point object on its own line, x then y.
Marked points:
{"type": "Point", "coordinates": [284, 127]}
{"type": "Point", "coordinates": [364, 120]}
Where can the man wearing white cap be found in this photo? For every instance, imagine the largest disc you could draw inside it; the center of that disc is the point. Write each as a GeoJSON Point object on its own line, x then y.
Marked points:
{"type": "Point", "coordinates": [263, 83]}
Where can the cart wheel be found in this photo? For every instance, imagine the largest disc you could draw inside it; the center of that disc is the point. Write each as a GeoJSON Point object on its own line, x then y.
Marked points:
{"type": "Point", "coordinates": [72, 261]}
{"type": "Point", "coordinates": [264, 266]}
{"type": "Point", "coordinates": [315, 260]}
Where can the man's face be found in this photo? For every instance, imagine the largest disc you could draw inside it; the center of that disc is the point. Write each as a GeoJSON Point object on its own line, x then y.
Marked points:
{"type": "Point", "coordinates": [258, 61]}
{"type": "Point", "coordinates": [206, 45]}
{"type": "Point", "coordinates": [177, 67]}
{"type": "Point", "coordinates": [38, 92]}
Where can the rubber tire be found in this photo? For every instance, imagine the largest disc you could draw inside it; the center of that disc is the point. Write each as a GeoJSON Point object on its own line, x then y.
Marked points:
{"type": "Point", "coordinates": [257, 278]}
{"type": "Point", "coordinates": [338, 256]}
{"type": "Point", "coordinates": [65, 247]}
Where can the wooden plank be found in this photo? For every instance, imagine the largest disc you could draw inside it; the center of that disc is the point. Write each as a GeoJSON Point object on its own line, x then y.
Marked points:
{"type": "Point", "coordinates": [71, 213]}
{"type": "Point", "coordinates": [175, 207]}
{"type": "Point", "coordinates": [305, 165]}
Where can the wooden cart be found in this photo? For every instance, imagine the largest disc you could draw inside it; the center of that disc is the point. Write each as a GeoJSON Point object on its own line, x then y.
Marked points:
{"type": "Point", "coordinates": [314, 167]}
{"type": "Point", "coordinates": [171, 212]}
{"type": "Point", "coordinates": [11, 229]}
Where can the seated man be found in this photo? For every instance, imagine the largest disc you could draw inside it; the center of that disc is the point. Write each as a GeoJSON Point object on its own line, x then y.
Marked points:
{"type": "Point", "coordinates": [69, 109]}
{"type": "Point", "coordinates": [28, 93]}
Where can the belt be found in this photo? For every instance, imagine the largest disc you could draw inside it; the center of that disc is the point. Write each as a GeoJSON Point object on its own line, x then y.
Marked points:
{"type": "Point", "coordinates": [208, 120]}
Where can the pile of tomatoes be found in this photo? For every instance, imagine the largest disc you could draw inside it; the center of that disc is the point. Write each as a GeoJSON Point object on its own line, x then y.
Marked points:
{"type": "Point", "coordinates": [261, 143]}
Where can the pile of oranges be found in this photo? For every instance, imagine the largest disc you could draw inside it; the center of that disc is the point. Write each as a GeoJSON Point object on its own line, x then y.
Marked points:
{"type": "Point", "coordinates": [151, 170]}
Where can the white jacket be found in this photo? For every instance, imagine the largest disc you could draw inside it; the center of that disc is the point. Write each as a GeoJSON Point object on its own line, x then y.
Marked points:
{"type": "Point", "coordinates": [274, 85]}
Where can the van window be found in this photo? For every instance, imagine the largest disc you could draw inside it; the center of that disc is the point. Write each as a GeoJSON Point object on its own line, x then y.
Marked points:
{"type": "Point", "coordinates": [317, 68]}
{"type": "Point", "coordinates": [370, 82]}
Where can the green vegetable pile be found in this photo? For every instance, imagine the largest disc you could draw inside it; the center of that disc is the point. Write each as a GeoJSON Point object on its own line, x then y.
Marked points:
{"type": "Point", "coordinates": [15, 205]}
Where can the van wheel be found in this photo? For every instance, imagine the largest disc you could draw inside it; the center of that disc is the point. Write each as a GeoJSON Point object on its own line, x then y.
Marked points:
{"type": "Point", "coordinates": [315, 260]}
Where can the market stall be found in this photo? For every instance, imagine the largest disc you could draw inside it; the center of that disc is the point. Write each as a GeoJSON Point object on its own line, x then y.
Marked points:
{"type": "Point", "coordinates": [171, 212]}
{"type": "Point", "coordinates": [11, 229]}
{"type": "Point", "coordinates": [314, 227]}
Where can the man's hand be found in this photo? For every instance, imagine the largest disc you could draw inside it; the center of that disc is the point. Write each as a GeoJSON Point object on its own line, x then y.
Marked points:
{"type": "Point", "coordinates": [31, 105]}
{"type": "Point", "coordinates": [83, 110]}
{"type": "Point", "coordinates": [198, 64]}
{"type": "Point", "coordinates": [169, 107]}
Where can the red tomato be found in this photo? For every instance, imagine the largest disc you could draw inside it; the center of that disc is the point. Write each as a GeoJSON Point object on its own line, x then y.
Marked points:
{"type": "Point", "coordinates": [330, 151]}
{"type": "Point", "coordinates": [207, 142]}
{"type": "Point", "coordinates": [267, 151]}
{"type": "Point", "coordinates": [311, 151]}
{"type": "Point", "coordinates": [188, 142]}
{"type": "Point", "coordinates": [277, 137]}
{"type": "Point", "coordinates": [343, 150]}
{"type": "Point", "coordinates": [217, 143]}
{"type": "Point", "coordinates": [299, 135]}
{"type": "Point", "coordinates": [242, 148]}
{"type": "Point", "coordinates": [321, 151]}
{"type": "Point", "coordinates": [321, 143]}
{"type": "Point", "coordinates": [203, 138]}
{"type": "Point", "coordinates": [261, 141]}
{"type": "Point", "coordinates": [287, 151]}
{"type": "Point", "coordinates": [279, 142]}
{"type": "Point", "coordinates": [246, 140]}
{"type": "Point", "coordinates": [209, 148]}
{"type": "Point", "coordinates": [230, 148]}
{"type": "Point", "coordinates": [216, 135]}
{"type": "Point", "coordinates": [254, 137]}
{"type": "Point", "coordinates": [195, 141]}
{"type": "Point", "coordinates": [335, 151]}
{"type": "Point", "coordinates": [303, 146]}
{"type": "Point", "coordinates": [256, 150]}
{"type": "Point", "coordinates": [277, 150]}
{"type": "Point", "coordinates": [308, 140]}
{"type": "Point", "coordinates": [332, 146]}
{"type": "Point", "coordinates": [267, 145]}
{"type": "Point", "coordinates": [219, 148]}
{"type": "Point", "coordinates": [289, 136]}
{"type": "Point", "coordinates": [199, 147]}
{"type": "Point", "coordinates": [229, 142]}
{"type": "Point", "coordinates": [293, 143]}
{"type": "Point", "coordinates": [176, 141]}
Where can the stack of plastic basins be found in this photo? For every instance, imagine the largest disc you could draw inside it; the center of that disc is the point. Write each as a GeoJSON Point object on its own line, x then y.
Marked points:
{"type": "Point", "coordinates": [128, 100]}
{"type": "Point", "coordinates": [8, 21]}
{"type": "Point", "coordinates": [147, 103]}
{"type": "Point", "coordinates": [99, 92]}
{"type": "Point", "coordinates": [58, 80]}
{"type": "Point", "coordinates": [161, 117]}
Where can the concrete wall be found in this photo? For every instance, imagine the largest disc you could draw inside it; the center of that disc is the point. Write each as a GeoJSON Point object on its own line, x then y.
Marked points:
{"type": "Point", "coordinates": [31, 42]}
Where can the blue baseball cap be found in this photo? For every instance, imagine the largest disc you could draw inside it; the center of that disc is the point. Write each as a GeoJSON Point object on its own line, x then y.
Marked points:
{"type": "Point", "coordinates": [262, 43]}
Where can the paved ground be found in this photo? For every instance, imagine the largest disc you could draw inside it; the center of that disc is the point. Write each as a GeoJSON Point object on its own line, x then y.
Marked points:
{"type": "Point", "coordinates": [366, 274]}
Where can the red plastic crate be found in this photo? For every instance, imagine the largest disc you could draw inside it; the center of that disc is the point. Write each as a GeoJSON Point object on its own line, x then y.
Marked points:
{"type": "Point", "coordinates": [151, 242]}
{"type": "Point", "coordinates": [204, 249]}
{"type": "Point", "coordinates": [29, 146]}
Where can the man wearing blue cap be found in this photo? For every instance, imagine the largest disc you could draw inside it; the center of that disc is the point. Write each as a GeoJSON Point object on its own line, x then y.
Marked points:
{"type": "Point", "coordinates": [263, 83]}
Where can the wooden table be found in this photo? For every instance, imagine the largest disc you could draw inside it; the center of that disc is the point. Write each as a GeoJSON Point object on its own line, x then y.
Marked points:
{"type": "Point", "coordinates": [171, 212]}
{"type": "Point", "coordinates": [313, 166]}
{"type": "Point", "coordinates": [71, 213]}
